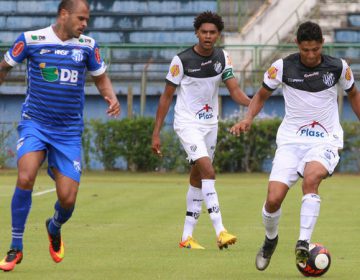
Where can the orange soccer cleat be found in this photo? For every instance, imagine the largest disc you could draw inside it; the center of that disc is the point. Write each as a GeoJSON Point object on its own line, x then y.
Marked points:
{"type": "Point", "coordinates": [56, 246]}
{"type": "Point", "coordinates": [12, 258]}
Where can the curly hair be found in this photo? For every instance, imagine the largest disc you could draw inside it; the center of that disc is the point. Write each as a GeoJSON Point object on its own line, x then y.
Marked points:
{"type": "Point", "coordinates": [209, 17]}
{"type": "Point", "coordinates": [309, 31]}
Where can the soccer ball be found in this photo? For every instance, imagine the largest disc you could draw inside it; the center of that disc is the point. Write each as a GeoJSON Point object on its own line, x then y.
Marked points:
{"type": "Point", "coordinates": [318, 262]}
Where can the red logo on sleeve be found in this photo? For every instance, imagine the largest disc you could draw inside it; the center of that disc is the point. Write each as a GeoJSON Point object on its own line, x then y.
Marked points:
{"type": "Point", "coordinates": [18, 48]}
{"type": "Point", "coordinates": [97, 55]}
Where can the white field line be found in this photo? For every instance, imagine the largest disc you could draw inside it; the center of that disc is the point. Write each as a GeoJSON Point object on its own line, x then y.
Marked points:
{"type": "Point", "coordinates": [44, 192]}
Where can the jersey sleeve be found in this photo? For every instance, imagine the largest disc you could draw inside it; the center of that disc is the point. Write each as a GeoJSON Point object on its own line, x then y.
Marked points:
{"type": "Point", "coordinates": [176, 71]}
{"type": "Point", "coordinates": [95, 64]}
{"type": "Point", "coordinates": [346, 80]}
{"type": "Point", "coordinates": [228, 72]}
{"type": "Point", "coordinates": [273, 76]}
{"type": "Point", "coordinates": [18, 51]}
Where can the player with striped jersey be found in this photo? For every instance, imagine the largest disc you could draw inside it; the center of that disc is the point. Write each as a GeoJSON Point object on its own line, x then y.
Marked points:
{"type": "Point", "coordinates": [51, 125]}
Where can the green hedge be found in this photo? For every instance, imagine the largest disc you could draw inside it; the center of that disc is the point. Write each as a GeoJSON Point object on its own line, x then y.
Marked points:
{"type": "Point", "coordinates": [129, 140]}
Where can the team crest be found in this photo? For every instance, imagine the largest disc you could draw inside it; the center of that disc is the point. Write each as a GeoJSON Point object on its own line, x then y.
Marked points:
{"type": "Point", "coordinates": [77, 55]}
{"type": "Point", "coordinates": [217, 67]}
{"type": "Point", "coordinates": [348, 74]}
{"type": "Point", "coordinates": [77, 166]}
{"type": "Point", "coordinates": [329, 79]}
{"type": "Point", "coordinates": [174, 70]}
{"type": "Point", "coordinates": [193, 148]}
{"type": "Point", "coordinates": [272, 72]}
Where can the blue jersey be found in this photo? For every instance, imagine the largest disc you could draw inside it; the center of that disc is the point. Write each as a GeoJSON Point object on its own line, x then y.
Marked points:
{"type": "Point", "coordinates": [56, 72]}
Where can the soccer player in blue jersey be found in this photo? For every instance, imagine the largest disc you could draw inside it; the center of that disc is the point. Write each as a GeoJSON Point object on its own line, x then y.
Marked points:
{"type": "Point", "coordinates": [52, 117]}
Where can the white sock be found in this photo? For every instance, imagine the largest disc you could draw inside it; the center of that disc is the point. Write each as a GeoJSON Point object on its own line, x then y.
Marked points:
{"type": "Point", "coordinates": [212, 204]}
{"type": "Point", "coordinates": [194, 201]}
{"type": "Point", "coordinates": [271, 221]}
{"type": "Point", "coordinates": [310, 209]}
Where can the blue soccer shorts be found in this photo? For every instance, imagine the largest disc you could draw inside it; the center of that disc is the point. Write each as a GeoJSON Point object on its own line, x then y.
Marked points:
{"type": "Point", "coordinates": [63, 151]}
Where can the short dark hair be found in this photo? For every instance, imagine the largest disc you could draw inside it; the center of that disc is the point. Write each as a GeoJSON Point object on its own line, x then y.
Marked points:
{"type": "Point", "coordinates": [209, 17]}
{"type": "Point", "coordinates": [309, 31]}
{"type": "Point", "coordinates": [69, 5]}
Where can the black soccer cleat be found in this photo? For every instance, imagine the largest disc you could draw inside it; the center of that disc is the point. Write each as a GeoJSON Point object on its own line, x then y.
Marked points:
{"type": "Point", "coordinates": [264, 255]}
{"type": "Point", "coordinates": [302, 252]}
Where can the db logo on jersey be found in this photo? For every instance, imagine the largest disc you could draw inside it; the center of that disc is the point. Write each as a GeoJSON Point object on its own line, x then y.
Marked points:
{"type": "Point", "coordinates": [18, 48]}
{"type": "Point", "coordinates": [314, 129]}
{"type": "Point", "coordinates": [52, 74]}
{"type": "Point", "coordinates": [205, 113]}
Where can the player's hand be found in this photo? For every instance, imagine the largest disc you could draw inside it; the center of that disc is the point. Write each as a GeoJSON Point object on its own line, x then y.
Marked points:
{"type": "Point", "coordinates": [240, 127]}
{"type": "Point", "coordinates": [155, 145]}
{"type": "Point", "coordinates": [114, 107]}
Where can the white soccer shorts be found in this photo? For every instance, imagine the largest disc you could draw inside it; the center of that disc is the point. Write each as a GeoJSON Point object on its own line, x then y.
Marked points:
{"type": "Point", "coordinates": [198, 141]}
{"type": "Point", "coordinates": [290, 160]}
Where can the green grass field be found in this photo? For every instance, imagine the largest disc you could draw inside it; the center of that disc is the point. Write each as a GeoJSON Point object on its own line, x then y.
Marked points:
{"type": "Point", "coordinates": [128, 225]}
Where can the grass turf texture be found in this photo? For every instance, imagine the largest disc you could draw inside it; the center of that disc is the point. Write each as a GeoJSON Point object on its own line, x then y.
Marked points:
{"type": "Point", "coordinates": [128, 225]}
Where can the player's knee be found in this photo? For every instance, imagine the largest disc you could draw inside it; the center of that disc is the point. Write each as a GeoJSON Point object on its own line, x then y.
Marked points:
{"type": "Point", "coordinates": [272, 204]}
{"type": "Point", "coordinates": [312, 181]}
{"type": "Point", "coordinates": [67, 200]}
{"type": "Point", "coordinates": [208, 174]}
{"type": "Point", "coordinates": [67, 203]}
{"type": "Point", "coordinates": [26, 180]}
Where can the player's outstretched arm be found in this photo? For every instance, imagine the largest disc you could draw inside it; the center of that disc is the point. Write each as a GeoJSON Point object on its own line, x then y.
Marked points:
{"type": "Point", "coordinates": [162, 110]}
{"type": "Point", "coordinates": [106, 90]}
{"type": "Point", "coordinates": [4, 70]}
{"type": "Point", "coordinates": [256, 104]}
{"type": "Point", "coordinates": [236, 93]}
{"type": "Point", "coordinates": [354, 99]}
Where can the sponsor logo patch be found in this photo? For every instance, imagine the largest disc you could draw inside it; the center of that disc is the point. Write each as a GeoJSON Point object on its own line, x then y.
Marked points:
{"type": "Point", "coordinates": [44, 51]}
{"type": "Point", "coordinates": [61, 52]}
{"type": "Point", "coordinates": [205, 113]}
{"type": "Point", "coordinates": [17, 49]}
{"type": "Point", "coordinates": [206, 62]}
{"type": "Point", "coordinates": [38, 38]}
{"type": "Point", "coordinates": [314, 129]}
{"type": "Point", "coordinates": [65, 76]}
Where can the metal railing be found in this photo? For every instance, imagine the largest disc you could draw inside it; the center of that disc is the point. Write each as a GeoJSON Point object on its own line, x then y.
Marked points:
{"type": "Point", "coordinates": [134, 63]}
